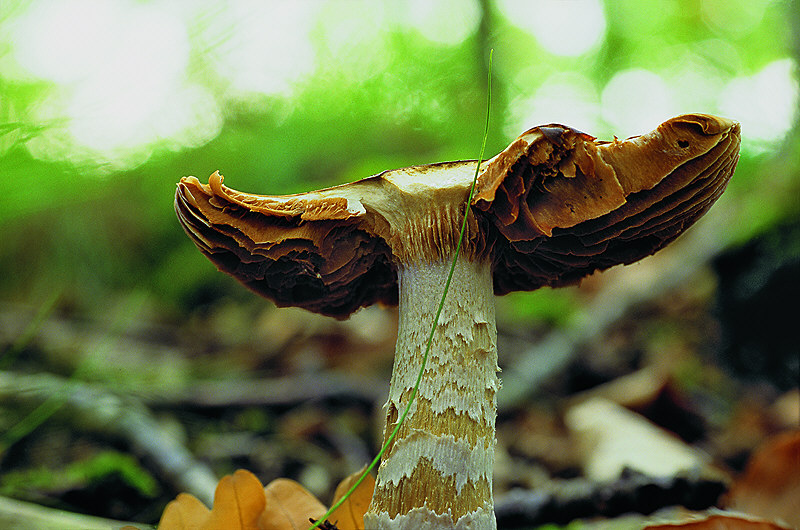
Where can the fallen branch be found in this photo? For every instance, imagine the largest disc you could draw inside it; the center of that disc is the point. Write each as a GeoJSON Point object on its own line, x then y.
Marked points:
{"type": "Point", "coordinates": [62, 341]}
{"type": "Point", "coordinates": [19, 515]}
{"type": "Point", "coordinates": [631, 493]}
{"type": "Point", "coordinates": [98, 410]}
{"type": "Point", "coordinates": [277, 391]}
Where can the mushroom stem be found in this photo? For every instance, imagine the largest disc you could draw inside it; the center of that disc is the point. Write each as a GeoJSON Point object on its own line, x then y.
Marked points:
{"type": "Point", "coordinates": [437, 473]}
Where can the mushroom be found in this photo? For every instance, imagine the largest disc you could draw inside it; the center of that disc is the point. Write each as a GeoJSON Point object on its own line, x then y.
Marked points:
{"type": "Point", "coordinates": [553, 207]}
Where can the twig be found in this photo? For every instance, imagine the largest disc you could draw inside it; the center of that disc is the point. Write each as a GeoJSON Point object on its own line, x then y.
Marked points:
{"type": "Point", "coordinates": [277, 391]}
{"type": "Point", "coordinates": [19, 515]}
{"type": "Point", "coordinates": [98, 410]}
{"type": "Point", "coordinates": [631, 493]}
{"type": "Point", "coordinates": [60, 338]}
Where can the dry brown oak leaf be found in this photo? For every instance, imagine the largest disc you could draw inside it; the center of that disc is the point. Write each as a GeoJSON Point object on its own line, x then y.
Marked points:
{"type": "Point", "coordinates": [770, 486]}
{"type": "Point", "coordinates": [242, 503]}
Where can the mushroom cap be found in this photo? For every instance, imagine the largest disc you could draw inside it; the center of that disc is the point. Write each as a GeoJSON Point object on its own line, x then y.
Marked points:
{"type": "Point", "coordinates": [553, 207]}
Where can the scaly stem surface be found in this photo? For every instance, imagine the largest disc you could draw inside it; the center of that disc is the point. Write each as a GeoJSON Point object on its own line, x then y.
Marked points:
{"type": "Point", "coordinates": [437, 473]}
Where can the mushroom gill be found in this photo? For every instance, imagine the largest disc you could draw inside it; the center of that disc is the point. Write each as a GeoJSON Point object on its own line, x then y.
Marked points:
{"type": "Point", "coordinates": [330, 266]}
{"type": "Point", "coordinates": [566, 205]}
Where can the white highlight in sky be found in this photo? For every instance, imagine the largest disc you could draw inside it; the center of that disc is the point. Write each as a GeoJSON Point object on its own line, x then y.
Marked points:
{"type": "Point", "coordinates": [636, 100]}
{"type": "Point", "coordinates": [443, 21]}
{"type": "Point", "coordinates": [766, 104]}
{"type": "Point", "coordinates": [67, 41]}
{"type": "Point", "coordinates": [263, 47]}
{"type": "Point", "coordinates": [566, 98]}
{"type": "Point", "coordinates": [562, 27]}
{"type": "Point", "coordinates": [120, 70]}
{"type": "Point", "coordinates": [351, 39]}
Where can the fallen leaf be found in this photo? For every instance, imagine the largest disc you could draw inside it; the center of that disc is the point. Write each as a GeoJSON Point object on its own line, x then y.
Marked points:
{"type": "Point", "coordinates": [350, 515]}
{"type": "Point", "coordinates": [720, 522]}
{"type": "Point", "coordinates": [186, 512]}
{"type": "Point", "coordinates": [241, 503]}
{"type": "Point", "coordinates": [289, 506]}
{"type": "Point", "coordinates": [785, 412]}
{"type": "Point", "coordinates": [770, 485]}
{"type": "Point", "coordinates": [614, 438]}
{"type": "Point", "coordinates": [238, 502]}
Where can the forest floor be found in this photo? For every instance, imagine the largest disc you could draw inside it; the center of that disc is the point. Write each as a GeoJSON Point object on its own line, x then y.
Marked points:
{"type": "Point", "coordinates": [625, 408]}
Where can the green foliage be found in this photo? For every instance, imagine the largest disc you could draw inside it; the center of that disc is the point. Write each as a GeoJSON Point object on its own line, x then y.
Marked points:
{"type": "Point", "coordinates": [80, 474]}
{"type": "Point", "coordinates": [575, 525]}
{"type": "Point", "coordinates": [548, 306]}
{"type": "Point", "coordinates": [79, 221]}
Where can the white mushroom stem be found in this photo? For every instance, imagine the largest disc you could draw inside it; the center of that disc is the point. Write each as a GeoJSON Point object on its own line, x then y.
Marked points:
{"type": "Point", "coordinates": [437, 473]}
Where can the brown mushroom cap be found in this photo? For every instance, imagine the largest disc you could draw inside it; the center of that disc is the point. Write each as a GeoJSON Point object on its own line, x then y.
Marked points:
{"type": "Point", "coordinates": [566, 205]}
{"type": "Point", "coordinates": [553, 207]}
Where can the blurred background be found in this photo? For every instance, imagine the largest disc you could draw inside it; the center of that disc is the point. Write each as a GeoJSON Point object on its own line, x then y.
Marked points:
{"type": "Point", "coordinates": [121, 343]}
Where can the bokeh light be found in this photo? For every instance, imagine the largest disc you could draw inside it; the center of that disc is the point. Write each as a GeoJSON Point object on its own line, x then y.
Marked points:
{"type": "Point", "coordinates": [445, 21]}
{"type": "Point", "coordinates": [562, 28]}
{"type": "Point", "coordinates": [765, 103]}
{"type": "Point", "coordinates": [128, 78]}
{"type": "Point", "coordinates": [634, 100]}
{"type": "Point", "coordinates": [566, 98]}
{"type": "Point", "coordinates": [352, 41]}
{"type": "Point", "coordinates": [261, 46]}
{"type": "Point", "coordinates": [121, 84]}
